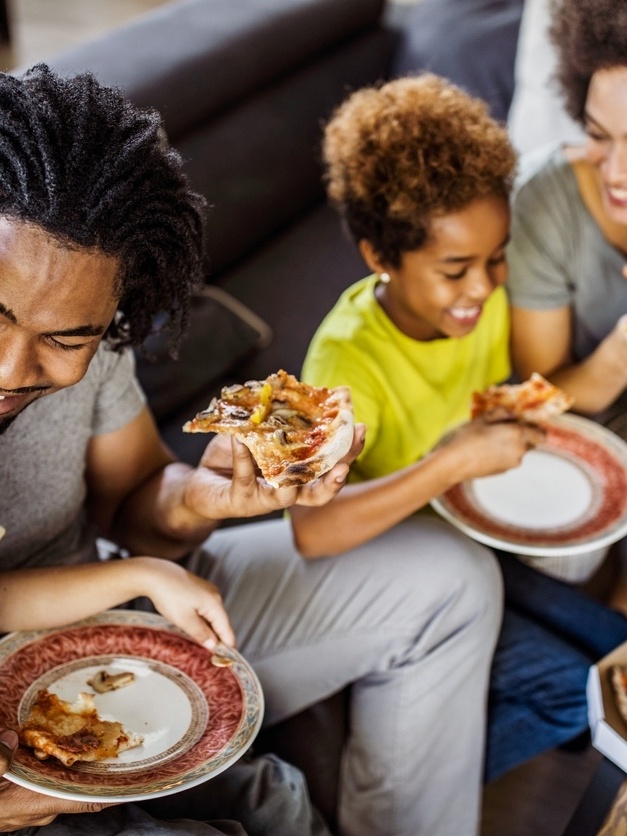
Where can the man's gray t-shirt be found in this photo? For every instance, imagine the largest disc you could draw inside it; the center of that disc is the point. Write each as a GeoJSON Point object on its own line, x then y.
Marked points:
{"type": "Point", "coordinates": [558, 256]}
{"type": "Point", "coordinates": [42, 456]}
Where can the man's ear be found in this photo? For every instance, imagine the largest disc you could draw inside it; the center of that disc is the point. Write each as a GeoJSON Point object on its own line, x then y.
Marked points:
{"type": "Point", "coordinates": [370, 257]}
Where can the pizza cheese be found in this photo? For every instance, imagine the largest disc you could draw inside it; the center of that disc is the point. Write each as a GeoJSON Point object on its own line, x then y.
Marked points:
{"type": "Point", "coordinates": [535, 400]}
{"type": "Point", "coordinates": [73, 732]}
{"type": "Point", "coordinates": [295, 432]}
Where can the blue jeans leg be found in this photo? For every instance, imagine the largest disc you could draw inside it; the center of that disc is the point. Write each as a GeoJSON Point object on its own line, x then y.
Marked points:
{"type": "Point", "coordinates": [537, 695]}
{"type": "Point", "coordinates": [561, 608]}
{"type": "Point", "coordinates": [551, 634]}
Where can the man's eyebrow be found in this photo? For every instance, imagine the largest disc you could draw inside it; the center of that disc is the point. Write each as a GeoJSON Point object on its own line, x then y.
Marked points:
{"type": "Point", "coordinates": [79, 331]}
{"type": "Point", "coordinates": [8, 313]}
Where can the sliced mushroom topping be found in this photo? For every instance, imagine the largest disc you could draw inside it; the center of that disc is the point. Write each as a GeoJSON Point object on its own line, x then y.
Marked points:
{"type": "Point", "coordinates": [103, 681]}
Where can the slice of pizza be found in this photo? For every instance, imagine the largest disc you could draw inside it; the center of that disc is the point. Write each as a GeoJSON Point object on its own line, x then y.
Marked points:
{"type": "Point", "coordinates": [73, 732]}
{"type": "Point", "coordinates": [295, 432]}
{"type": "Point", "coordinates": [618, 678]}
{"type": "Point", "coordinates": [535, 400]}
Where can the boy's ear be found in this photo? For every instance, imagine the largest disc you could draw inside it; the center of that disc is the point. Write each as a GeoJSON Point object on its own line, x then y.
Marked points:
{"type": "Point", "coordinates": [370, 257]}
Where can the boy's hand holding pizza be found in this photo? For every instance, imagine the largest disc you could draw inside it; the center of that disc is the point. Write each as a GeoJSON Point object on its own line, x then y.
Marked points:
{"type": "Point", "coordinates": [485, 447]}
{"type": "Point", "coordinates": [508, 420]}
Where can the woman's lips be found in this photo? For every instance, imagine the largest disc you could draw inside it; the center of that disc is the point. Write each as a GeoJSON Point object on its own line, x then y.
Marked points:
{"type": "Point", "coordinates": [617, 196]}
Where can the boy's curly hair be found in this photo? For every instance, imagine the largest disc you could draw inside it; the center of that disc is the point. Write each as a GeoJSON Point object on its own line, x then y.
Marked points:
{"type": "Point", "coordinates": [589, 35]}
{"type": "Point", "coordinates": [81, 162]}
{"type": "Point", "coordinates": [400, 154]}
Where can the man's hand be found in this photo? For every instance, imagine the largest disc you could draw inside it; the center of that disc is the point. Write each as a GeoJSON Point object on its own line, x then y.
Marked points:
{"type": "Point", "coordinates": [20, 807]}
{"type": "Point", "coordinates": [227, 483]}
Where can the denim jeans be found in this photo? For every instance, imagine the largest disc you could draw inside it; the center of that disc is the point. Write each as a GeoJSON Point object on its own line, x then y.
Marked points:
{"type": "Point", "coordinates": [551, 634]}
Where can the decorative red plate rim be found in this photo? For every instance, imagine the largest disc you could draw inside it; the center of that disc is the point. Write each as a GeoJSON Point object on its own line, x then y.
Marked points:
{"type": "Point", "coordinates": [233, 694]}
{"type": "Point", "coordinates": [592, 447]}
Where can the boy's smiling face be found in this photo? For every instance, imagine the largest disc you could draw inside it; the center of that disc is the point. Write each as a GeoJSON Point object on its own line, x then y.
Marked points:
{"type": "Point", "coordinates": [439, 290]}
{"type": "Point", "coordinates": [55, 306]}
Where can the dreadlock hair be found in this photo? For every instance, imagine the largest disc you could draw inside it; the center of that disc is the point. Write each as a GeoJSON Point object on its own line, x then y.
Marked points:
{"type": "Point", "coordinates": [81, 162]}
{"type": "Point", "coordinates": [589, 35]}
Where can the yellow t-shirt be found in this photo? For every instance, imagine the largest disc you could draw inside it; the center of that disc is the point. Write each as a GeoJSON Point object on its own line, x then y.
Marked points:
{"type": "Point", "coordinates": [407, 392]}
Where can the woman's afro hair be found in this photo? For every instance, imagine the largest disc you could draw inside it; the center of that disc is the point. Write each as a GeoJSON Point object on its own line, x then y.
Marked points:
{"type": "Point", "coordinates": [589, 35]}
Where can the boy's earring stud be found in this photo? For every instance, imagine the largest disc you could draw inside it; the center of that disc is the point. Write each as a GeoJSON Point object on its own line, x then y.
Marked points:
{"type": "Point", "coordinates": [385, 278]}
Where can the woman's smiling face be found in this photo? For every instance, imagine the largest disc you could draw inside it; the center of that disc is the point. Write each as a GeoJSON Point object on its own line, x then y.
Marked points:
{"type": "Point", "coordinates": [606, 145]}
{"type": "Point", "coordinates": [439, 290]}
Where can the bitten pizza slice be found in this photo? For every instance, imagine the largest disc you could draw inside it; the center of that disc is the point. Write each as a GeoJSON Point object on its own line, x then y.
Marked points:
{"type": "Point", "coordinates": [295, 432]}
{"type": "Point", "coordinates": [73, 732]}
{"type": "Point", "coordinates": [535, 400]}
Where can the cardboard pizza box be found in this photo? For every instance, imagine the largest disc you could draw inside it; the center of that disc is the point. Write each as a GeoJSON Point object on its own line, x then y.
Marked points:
{"type": "Point", "coordinates": [608, 729]}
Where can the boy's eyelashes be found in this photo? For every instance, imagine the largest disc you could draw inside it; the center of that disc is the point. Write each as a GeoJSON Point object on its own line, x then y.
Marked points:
{"type": "Point", "coordinates": [493, 262]}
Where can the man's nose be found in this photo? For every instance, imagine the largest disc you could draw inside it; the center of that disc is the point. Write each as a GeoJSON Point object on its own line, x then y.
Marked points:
{"type": "Point", "coordinates": [19, 366]}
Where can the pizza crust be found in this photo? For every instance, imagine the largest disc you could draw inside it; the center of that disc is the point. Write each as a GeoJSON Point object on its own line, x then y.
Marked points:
{"type": "Point", "coordinates": [534, 400]}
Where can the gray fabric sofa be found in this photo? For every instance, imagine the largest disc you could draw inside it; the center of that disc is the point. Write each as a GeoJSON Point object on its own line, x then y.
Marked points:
{"type": "Point", "coordinates": [244, 87]}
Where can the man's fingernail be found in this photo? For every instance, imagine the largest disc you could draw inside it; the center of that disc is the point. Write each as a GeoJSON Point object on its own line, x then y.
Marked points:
{"type": "Point", "coordinates": [209, 644]}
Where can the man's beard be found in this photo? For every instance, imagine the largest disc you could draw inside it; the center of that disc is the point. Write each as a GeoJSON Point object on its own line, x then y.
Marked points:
{"type": "Point", "coordinates": [5, 423]}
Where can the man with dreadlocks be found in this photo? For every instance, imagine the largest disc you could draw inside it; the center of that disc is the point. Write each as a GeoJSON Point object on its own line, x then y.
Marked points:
{"type": "Point", "coordinates": [99, 234]}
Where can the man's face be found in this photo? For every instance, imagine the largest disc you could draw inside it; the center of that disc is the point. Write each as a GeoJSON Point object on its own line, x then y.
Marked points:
{"type": "Point", "coordinates": [55, 305]}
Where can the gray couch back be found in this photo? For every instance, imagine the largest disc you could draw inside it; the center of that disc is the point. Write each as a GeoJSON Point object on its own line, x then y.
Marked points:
{"type": "Point", "coordinates": [243, 86]}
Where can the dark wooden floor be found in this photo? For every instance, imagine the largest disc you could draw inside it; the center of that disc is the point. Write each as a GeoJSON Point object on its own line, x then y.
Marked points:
{"type": "Point", "coordinates": [537, 799]}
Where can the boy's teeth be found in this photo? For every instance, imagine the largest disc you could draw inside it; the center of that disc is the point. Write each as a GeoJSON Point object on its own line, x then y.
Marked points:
{"type": "Point", "coordinates": [465, 313]}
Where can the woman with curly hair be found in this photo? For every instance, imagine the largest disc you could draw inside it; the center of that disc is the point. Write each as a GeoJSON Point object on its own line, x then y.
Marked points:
{"type": "Point", "coordinates": [421, 176]}
{"type": "Point", "coordinates": [568, 253]}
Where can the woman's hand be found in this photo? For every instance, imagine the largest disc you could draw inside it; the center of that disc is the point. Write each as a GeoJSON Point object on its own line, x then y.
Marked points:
{"type": "Point", "coordinates": [20, 807]}
{"type": "Point", "coordinates": [227, 483]}
{"type": "Point", "coordinates": [490, 445]}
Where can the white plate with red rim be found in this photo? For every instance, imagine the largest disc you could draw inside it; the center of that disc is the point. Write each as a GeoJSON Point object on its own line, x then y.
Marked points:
{"type": "Point", "coordinates": [568, 497]}
{"type": "Point", "coordinates": [196, 718]}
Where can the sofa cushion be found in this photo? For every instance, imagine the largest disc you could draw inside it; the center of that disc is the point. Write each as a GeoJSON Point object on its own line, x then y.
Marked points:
{"type": "Point", "coordinates": [291, 283]}
{"type": "Point", "coordinates": [192, 58]}
{"type": "Point", "coordinates": [258, 163]}
{"type": "Point", "coordinates": [243, 86]}
{"type": "Point", "coordinates": [222, 332]}
{"type": "Point", "coordinates": [471, 42]}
